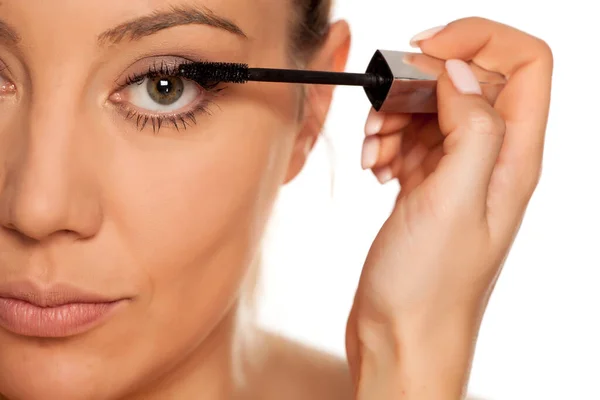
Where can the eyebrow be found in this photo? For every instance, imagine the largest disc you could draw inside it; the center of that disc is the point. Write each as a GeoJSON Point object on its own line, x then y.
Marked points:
{"type": "Point", "coordinates": [160, 20]}
{"type": "Point", "coordinates": [8, 33]}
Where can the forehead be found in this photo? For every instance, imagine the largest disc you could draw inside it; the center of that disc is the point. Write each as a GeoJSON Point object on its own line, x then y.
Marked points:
{"type": "Point", "coordinates": [73, 22]}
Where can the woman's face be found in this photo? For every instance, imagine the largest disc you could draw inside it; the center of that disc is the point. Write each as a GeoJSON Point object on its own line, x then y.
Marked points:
{"type": "Point", "coordinates": [151, 192]}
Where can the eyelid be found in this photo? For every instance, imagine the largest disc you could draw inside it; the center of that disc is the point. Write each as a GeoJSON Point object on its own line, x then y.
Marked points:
{"type": "Point", "coordinates": [141, 68]}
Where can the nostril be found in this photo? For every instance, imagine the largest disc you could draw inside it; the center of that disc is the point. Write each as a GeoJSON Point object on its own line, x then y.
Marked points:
{"type": "Point", "coordinates": [14, 232]}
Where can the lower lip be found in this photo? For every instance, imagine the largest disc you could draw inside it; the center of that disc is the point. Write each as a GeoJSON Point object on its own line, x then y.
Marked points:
{"type": "Point", "coordinates": [27, 319]}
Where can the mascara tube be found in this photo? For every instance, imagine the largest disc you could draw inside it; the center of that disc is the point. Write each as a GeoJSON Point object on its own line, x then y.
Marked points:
{"type": "Point", "coordinates": [411, 82]}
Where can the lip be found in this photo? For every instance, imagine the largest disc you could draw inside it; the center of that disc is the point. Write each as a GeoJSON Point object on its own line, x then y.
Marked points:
{"type": "Point", "coordinates": [55, 311]}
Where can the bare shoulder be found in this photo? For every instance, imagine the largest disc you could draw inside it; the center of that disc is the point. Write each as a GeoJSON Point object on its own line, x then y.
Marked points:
{"type": "Point", "coordinates": [300, 372]}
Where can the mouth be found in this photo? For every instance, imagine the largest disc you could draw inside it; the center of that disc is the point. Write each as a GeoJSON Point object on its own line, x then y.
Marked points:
{"type": "Point", "coordinates": [58, 311]}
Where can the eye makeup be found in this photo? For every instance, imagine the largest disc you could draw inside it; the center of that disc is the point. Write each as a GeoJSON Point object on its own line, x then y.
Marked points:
{"type": "Point", "coordinates": [158, 96]}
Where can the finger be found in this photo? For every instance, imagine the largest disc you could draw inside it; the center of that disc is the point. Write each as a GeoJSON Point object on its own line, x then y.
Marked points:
{"type": "Point", "coordinates": [385, 123]}
{"type": "Point", "coordinates": [414, 142]}
{"type": "Point", "coordinates": [412, 181]}
{"type": "Point", "coordinates": [402, 165]}
{"type": "Point", "coordinates": [380, 150]}
{"type": "Point", "coordinates": [491, 45]}
{"type": "Point", "coordinates": [474, 135]}
{"type": "Point", "coordinates": [432, 159]}
{"type": "Point", "coordinates": [419, 139]}
{"type": "Point", "coordinates": [417, 176]}
{"type": "Point", "coordinates": [417, 166]}
{"type": "Point", "coordinates": [425, 130]}
{"type": "Point", "coordinates": [524, 102]}
{"type": "Point", "coordinates": [383, 174]}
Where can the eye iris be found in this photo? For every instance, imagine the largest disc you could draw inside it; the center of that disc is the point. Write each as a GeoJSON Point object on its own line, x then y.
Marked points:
{"type": "Point", "coordinates": [165, 90]}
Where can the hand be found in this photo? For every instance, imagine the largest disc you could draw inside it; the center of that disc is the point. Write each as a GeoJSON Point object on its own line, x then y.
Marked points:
{"type": "Point", "coordinates": [466, 176]}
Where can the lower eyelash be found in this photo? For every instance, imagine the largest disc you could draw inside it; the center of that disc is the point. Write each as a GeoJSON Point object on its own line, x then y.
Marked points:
{"type": "Point", "coordinates": [177, 121]}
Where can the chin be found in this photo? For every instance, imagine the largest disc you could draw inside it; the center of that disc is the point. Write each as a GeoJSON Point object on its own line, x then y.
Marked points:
{"type": "Point", "coordinates": [50, 392]}
{"type": "Point", "coordinates": [53, 378]}
{"type": "Point", "coordinates": [36, 388]}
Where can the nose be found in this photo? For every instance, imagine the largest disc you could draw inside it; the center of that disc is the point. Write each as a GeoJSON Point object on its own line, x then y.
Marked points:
{"type": "Point", "coordinates": [46, 186]}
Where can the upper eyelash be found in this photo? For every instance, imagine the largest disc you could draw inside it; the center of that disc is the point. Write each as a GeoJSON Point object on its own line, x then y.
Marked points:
{"type": "Point", "coordinates": [154, 70]}
{"type": "Point", "coordinates": [164, 69]}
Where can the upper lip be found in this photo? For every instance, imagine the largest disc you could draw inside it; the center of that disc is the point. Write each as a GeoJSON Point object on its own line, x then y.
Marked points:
{"type": "Point", "coordinates": [51, 295]}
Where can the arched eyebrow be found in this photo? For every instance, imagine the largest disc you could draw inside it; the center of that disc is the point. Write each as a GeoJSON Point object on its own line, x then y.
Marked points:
{"type": "Point", "coordinates": [160, 20]}
{"type": "Point", "coordinates": [8, 34]}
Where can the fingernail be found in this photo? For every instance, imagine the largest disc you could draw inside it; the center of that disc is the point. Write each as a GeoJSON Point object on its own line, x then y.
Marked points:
{"type": "Point", "coordinates": [370, 152]}
{"type": "Point", "coordinates": [374, 122]}
{"type": "Point", "coordinates": [462, 77]}
{"type": "Point", "coordinates": [384, 175]}
{"type": "Point", "coordinates": [428, 34]}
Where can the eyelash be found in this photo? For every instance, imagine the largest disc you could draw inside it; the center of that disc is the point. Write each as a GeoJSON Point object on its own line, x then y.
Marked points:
{"type": "Point", "coordinates": [157, 121]}
{"type": "Point", "coordinates": [178, 121]}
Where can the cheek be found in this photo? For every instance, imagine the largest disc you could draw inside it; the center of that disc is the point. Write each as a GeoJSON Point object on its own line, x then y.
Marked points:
{"type": "Point", "coordinates": [182, 200]}
{"type": "Point", "coordinates": [190, 210]}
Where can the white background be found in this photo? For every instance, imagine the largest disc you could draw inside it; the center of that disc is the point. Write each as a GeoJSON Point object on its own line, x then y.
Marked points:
{"type": "Point", "coordinates": [540, 337]}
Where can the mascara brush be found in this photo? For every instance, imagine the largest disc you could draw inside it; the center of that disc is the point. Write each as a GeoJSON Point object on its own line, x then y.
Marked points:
{"type": "Point", "coordinates": [394, 81]}
{"type": "Point", "coordinates": [241, 73]}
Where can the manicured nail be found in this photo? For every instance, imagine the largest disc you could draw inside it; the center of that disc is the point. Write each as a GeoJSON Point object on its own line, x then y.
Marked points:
{"type": "Point", "coordinates": [370, 152]}
{"type": "Point", "coordinates": [374, 122]}
{"type": "Point", "coordinates": [428, 34]}
{"type": "Point", "coordinates": [462, 77]}
{"type": "Point", "coordinates": [384, 175]}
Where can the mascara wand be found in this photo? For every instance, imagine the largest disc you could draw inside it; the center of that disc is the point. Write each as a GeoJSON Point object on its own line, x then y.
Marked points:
{"type": "Point", "coordinates": [241, 73]}
{"type": "Point", "coordinates": [394, 81]}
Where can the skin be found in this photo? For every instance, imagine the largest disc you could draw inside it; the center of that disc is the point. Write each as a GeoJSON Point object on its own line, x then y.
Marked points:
{"type": "Point", "coordinates": [172, 221]}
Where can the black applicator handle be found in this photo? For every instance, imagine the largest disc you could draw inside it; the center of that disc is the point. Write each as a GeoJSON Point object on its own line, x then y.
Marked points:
{"type": "Point", "coordinates": [314, 77]}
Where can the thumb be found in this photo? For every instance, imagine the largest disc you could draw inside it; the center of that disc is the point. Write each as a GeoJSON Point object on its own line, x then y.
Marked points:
{"type": "Point", "coordinates": [474, 133]}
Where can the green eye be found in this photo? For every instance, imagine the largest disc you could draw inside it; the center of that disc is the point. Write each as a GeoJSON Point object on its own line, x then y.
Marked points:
{"type": "Point", "coordinates": [165, 90]}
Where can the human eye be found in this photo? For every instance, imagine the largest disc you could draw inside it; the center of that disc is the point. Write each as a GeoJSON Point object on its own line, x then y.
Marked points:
{"type": "Point", "coordinates": [158, 97]}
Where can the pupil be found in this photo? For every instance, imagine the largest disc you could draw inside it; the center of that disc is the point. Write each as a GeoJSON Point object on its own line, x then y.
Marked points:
{"type": "Point", "coordinates": [164, 87]}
